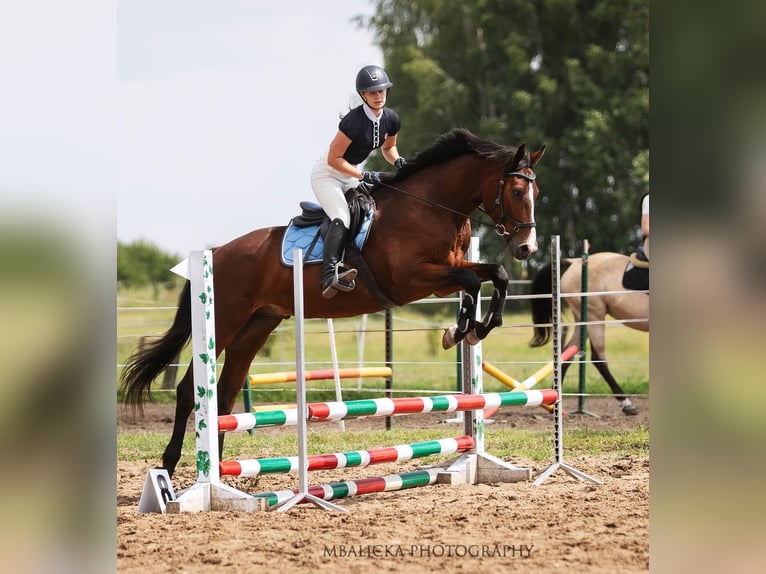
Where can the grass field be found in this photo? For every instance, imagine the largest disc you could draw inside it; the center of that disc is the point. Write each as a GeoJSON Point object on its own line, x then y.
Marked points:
{"type": "Point", "coordinates": [420, 365]}
{"type": "Point", "coordinates": [502, 442]}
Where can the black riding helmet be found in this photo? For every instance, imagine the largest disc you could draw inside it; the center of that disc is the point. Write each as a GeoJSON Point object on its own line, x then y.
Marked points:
{"type": "Point", "coordinates": [371, 79]}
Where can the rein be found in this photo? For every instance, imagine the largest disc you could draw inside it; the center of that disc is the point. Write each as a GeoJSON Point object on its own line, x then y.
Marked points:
{"type": "Point", "coordinates": [500, 229]}
{"type": "Point", "coordinates": [433, 203]}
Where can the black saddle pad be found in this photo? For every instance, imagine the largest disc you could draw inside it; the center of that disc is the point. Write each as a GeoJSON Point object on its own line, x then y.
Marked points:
{"type": "Point", "coordinates": [635, 278]}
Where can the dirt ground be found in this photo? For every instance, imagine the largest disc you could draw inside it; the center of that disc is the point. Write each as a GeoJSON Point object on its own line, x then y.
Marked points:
{"type": "Point", "coordinates": [563, 524]}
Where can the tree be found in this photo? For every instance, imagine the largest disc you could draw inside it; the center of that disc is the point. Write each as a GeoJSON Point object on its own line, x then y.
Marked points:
{"type": "Point", "coordinates": [573, 74]}
{"type": "Point", "coordinates": [143, 263]}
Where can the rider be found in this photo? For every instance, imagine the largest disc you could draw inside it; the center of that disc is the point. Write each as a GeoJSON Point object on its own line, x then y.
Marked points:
{"type": "Point", "coordinates": [368, 126]}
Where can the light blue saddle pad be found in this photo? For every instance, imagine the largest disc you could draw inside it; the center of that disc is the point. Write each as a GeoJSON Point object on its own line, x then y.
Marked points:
{"type": "Point", "coordinates": [302, 237]}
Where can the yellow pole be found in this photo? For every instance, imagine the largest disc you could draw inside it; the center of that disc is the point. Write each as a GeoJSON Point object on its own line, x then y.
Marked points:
{"type": "Point", "coordinates": [530, 381]}
{"type": "Point", "coordinates": [289, 376]}
{"type": "Point", "coordinates": [508, 380]}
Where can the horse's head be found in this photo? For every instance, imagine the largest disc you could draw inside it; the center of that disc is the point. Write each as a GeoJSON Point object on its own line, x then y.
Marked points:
{"type": "Point", "coordinates": [512, 207]}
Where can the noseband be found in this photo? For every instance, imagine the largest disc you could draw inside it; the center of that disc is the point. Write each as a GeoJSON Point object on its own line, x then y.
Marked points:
{"type": "Point", "coordinates": [500, 228]}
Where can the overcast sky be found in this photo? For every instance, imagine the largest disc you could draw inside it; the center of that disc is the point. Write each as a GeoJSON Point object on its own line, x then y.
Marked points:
{"type": "Point", "coordinates": [223, 108]}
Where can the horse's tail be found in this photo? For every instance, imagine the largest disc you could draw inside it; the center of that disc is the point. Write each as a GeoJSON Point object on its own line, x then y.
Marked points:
{"type": "Point", "coordinates": [147, 363]}
{"type": "Point", "coordinates": [542, 308]}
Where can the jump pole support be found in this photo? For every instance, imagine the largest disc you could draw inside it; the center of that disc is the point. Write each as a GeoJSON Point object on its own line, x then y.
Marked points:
{"type": "Point", "coordinates": [558, 431]}
{"type": "Point", "coordinates": [208, 493]}
{"type": "Point", "coordinates": [303, 494]}
{"type": "Point", "coordinates": [336, 375]}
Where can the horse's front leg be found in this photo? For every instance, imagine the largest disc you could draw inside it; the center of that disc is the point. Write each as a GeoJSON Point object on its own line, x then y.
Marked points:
{"type": "Point", "coordinates": [494, 315]}
{"type": "Point", "coordinates": [466, 320]}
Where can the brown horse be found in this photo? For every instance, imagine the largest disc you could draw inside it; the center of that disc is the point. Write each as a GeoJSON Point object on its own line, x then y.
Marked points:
{"type": "Point", "coordinates": [421, 232]}
{"type": "Point", "coordinates": [605, 271]}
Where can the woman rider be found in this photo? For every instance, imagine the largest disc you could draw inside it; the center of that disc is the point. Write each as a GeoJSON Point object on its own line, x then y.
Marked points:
{"type": "Point", "coordinates": [369, 126]}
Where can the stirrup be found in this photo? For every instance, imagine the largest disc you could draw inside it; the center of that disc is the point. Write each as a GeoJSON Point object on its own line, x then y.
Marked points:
{"type": "Point", "coordinates": [341, 281]}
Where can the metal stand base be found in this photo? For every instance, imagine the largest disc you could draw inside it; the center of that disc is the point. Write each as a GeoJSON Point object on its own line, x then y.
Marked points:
{"type": "Point", "coordinates": [327, 505]}
{"type": "Point", "coordinates": [461, 420]}
{"type": "Point", "coordinates": [474, 468]}
{"type": "Point", "coordinates": [204, 496]}
{"type": "Point", "coordinates": [543, 476]}
{"type": "Point", "coordinates": [584, 412]}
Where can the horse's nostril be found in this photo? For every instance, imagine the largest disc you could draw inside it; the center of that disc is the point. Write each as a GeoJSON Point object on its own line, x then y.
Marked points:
{"type": "Point", "coordinates": [524, 250]}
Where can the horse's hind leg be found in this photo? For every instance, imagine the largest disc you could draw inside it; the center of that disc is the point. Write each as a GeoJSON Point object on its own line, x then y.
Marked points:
{"type": "Point", "coordinates": [184, 407]}
{"type": "Point", "coordinates": [602, 366]}
{"type": "Point", "coordinates": [239, 356]}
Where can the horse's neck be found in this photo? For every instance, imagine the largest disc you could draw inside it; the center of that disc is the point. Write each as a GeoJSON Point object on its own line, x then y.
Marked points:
{"type": "Point", "coordinates": [457, 184]}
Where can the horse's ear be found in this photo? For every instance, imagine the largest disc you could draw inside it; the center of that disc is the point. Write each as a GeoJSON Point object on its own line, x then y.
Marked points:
{"type": "Point", "coordinates": [536, 156]}
{"type": "Point", "coordinates": [521, 153]}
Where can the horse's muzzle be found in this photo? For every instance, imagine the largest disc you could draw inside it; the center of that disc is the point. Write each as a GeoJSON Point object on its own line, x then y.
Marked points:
{"type": "Point", "coordinates": [522, 251]}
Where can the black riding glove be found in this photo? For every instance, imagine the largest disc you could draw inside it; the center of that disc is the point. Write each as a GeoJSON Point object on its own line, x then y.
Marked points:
{"type": "Point", "coordinates": [371, 177]}
{"type": "Point", "coordinates": [400, 162]}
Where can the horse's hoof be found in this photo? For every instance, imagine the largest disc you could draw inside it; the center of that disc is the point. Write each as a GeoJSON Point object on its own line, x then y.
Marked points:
{"type": "Point", "coordinates": [448, 339]}
{"type": "Point", "coordinates": [630, 409]}
{"type": "Point", "coordinates": [472, 338]}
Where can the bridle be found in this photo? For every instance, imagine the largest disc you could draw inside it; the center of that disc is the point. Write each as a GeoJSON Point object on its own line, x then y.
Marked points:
{"type": "Point", "coordinates": [500, 228]}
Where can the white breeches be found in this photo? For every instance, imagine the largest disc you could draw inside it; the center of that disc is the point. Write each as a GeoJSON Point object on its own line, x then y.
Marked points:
{"type": "Point", "coordinates": [329, 187]}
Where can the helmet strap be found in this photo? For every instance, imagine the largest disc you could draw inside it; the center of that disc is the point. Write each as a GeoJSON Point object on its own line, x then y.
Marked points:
{"type": "Point", "coordinates": [368, 105]}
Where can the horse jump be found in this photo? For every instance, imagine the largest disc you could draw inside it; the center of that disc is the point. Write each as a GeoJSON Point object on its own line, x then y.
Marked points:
{"type": "Point", "coordinates": [212, 495]}
{"type": "Point", "coordinates": [356, 458]}
{"type": "Point", "coordinates": [344, 489]}
{"type": "Point", "coordinates": [331, 411]}
{"type": "Point", "coordinates": [410, 405]}
{"type": "Point", "coordinates": [338, 410]}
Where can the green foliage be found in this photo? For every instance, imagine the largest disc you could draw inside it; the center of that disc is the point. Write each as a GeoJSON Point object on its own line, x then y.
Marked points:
{"type": "Point", "coordinates": [571, 74]}
{"type": "Point", "coordinates": [142, 263]}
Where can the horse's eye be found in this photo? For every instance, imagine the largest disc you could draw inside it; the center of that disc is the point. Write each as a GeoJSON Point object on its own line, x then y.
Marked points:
{"type": "Point", "coordinates": [517, 194]}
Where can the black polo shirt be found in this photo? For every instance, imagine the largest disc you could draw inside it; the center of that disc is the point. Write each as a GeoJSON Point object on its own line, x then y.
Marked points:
{"type": "Point", "coordinates": [363, 133]}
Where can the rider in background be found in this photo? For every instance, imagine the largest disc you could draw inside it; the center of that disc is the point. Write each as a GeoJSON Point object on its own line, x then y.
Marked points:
{"type": "Point", "coordinates": [645, 223]}
{"type": "Point", "coordinates": [369, 126]}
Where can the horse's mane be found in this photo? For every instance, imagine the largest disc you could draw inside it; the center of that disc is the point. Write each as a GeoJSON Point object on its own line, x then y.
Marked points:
{"type": "Point", "coordinates": [454, 143]}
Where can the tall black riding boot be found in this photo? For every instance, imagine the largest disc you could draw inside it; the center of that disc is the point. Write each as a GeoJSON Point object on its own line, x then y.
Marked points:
{"type": "Point", "coordinates": [336, 277]}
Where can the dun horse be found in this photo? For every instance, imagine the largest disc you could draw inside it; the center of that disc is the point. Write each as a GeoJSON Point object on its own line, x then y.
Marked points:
{"type": "Point", "coordinates": [421, 232]}
{"type": "Point", "coordinates": [605, 271]}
